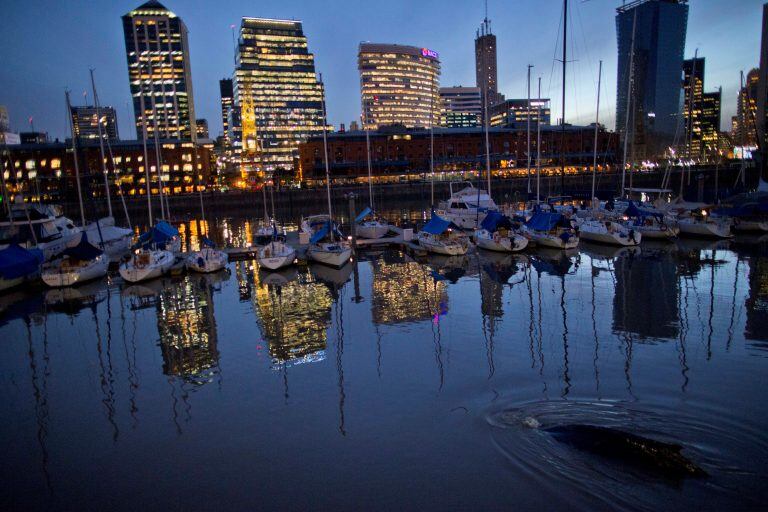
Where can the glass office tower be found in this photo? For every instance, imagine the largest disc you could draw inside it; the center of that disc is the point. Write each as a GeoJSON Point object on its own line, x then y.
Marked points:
{"type": "Point", "coordinates": [159, 71]}
{"type": "Point", "coordinates": [656, 98]}
{"type": "Point", "coordinates": [277, 92]}
{"type": "Point", "coordinates": [399, 85]}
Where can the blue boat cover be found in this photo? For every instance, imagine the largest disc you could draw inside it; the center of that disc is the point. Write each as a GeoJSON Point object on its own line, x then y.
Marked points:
{"type": "Point", "coordinates": [633, 211]}
{"type": "Point", "coordinates": [323, 232]}
{"type": "Point", "coordinates": [544, 221]}
{"type": "Point", "coordinates": [364, 214]}
{"type": "Point", "coordinates": [83, 251]}
{"type": "Point", "coordinates": [159, 235]}
{"type": "Point", "coordinates": [207, 242]}
{"type": "Point", "coordinates": [166, 229]}
{"type": "Point", "coordinates": [15, 261]}
{"type": "Point", "coordinates": [436, 225]}
{"type": "Point", "coordinates": [494, 221]}
{"type": "Point", "coordinates": [319, 234]}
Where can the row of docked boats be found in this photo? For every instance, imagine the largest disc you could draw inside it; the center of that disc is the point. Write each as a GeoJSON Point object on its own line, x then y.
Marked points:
{"type": "Point", "coordinates": [562, 226]}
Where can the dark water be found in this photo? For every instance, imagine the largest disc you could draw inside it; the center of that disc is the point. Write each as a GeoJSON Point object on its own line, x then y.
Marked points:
{"type": "Point", "coordinates": [391, 384]}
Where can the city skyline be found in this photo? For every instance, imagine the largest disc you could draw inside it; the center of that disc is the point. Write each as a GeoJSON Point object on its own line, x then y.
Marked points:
{"type": "Point", "coordinates": [40, 70]}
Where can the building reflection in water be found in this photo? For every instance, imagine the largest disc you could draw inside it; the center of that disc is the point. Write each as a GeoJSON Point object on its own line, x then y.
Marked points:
{"type": "Point", "coordinates": [187, 328]}
{"type": "Point", "coordinates": [756, 328]}
{"type": "Point", "coordinates": [293, 310]}
{"type": "Point", "coordinates": [645, 300]}
{"type": "Point", "coordinates": [405, 291]}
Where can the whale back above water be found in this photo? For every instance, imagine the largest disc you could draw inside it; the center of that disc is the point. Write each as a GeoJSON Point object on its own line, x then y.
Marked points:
{"type": "Point", "coordinates": [665, 458]}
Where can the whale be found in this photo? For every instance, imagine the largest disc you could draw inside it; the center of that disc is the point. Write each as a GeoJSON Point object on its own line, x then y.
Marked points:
{"type": "Point", "coordinates": [657, 456]}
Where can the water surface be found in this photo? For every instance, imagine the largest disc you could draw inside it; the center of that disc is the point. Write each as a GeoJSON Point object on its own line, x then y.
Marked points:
{"type": "Point", "coordinates": [392, 383]}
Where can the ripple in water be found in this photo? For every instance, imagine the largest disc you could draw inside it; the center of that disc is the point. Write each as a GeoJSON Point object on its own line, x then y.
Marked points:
{"type": "Point", "coordinates": [732, 454]}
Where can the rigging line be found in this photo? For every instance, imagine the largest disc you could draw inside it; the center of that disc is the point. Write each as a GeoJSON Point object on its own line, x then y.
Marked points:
{"type": "Point", "coordinates": [554, 55]}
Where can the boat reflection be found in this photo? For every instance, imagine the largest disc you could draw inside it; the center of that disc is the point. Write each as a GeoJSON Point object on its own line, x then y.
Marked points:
{"type": "Point", "coordinates": [449, 268]}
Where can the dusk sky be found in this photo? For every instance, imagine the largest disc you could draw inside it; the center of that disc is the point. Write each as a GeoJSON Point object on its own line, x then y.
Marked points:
{"type": "Point", "coordinates": [50, 45]}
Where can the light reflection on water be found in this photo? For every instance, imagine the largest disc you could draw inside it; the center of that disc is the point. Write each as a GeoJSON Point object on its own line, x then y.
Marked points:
{"type": "Point", "coordinates": [390, 381]}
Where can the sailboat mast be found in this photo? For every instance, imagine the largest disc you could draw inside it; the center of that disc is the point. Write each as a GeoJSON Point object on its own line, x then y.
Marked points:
{"type": "Point", "coordinates": [431, 151]}
{"type": "Point", "coordinates": [101, 145]}
{"type": "Point", "coordinates": [562, 128]}
{"type": "Point", "coordinates": [487, 143]}
{"type": "Point", "coordinates": [146, 156]}
{"type": "Point", "coordinates": [325, 160]}
{"type": "Point", "coordinates": [75, 158]}
{"type": "Point", "coordinates": [538, 147]}
{"type": "Point", "coordinates": [597, 125]}
{"type": "Point", "coordinates": [368, 154]}
{"type": "Point", "coordinates": [629, 96]}
{"type": "Point", "coordinates": [528, 129]}
{"type": "Point", "coordinates": [158, 162]}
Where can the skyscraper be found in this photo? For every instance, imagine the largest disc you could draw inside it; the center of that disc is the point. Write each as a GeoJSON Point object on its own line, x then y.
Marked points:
{"type": "Point", "coordinates": [86, 124]}
{"type": "Point", "coordinates": [279, 97]}
{"type": "Point", "coordinates": [399, 85]}
{"type": "Point", "coordinates": [745, 121]}
{"type": "Point", "coordinates": [159, 71]}
{"type": "Point", "coordinates": [701, 112]}
{"type": "Point", "coordinates": [201, 127]}
{"type": "Point", "coordinates": [657, 28]}
{"type": "Point", "coordinates": [227, 94]}
{"type": "Point", "coordinates": [460, 107]}
{"type": "Point", "coordinates": [762, 93]}
{"type": "Point", "coordinates": [485, 63]}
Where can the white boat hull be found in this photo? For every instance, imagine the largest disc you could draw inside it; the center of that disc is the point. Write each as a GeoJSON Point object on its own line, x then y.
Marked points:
{"type": "Point", "coordinates": [160, 264]}
{"type": "Point", "coordinates": [334, 255]}
{"type": "Point", "coordinates": [501, 244]}
{"type": "Point", "coordinates": [610, 238]}
{"type": "Point", "coordinates": [207, 260]}
{"type": "Point", "coordinates": [276, 256]}
{"type": "Point", "coordinates": [704, 229]}
{"type": "Point", "coordinates": [554, 241]}
{"type": "Point", "coordinates": [58, 275]}
{"type": "Point", "coordinates": [658, 233]}
{"type": "Point", "coordinates": [751, 226]}
{"type": "Point", "coordinates": [372, 230]}
{"type": "Point", "coordinates": [447, 247]}
{"type": "Point", "coordinates": [116, 240]}
{"type": "Point", "coordinates": [463, 220]}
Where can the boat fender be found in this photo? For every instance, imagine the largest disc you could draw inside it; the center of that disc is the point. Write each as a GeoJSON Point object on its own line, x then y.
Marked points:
{"type": "Point", "coordinates": [200, 261]}
{"type": "Point", "coordinates": [632, 235]}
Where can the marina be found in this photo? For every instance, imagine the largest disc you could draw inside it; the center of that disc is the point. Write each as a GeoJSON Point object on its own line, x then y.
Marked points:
{"type": "Point", "coordinates": [269, 379]}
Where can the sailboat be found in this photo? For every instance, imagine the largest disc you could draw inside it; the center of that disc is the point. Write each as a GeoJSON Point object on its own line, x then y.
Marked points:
{"type": "Point", "coordinates": [208, 258]}
{"type": "Point", "coordinates": [467, 207]}
{"type": "Point", "coordinates": [276, 254]}
{"type": "Point", "coordinates": [551, 229]}
{"type": "Point", "coordinates": [367, 224]}
{"type": "Point", "coordinates": [78, 264]}
{"type": "Point", "coordinates": [40, 226]}
{"type": "Point", "coordinates": [113, 240]}
{"type": "Point", "coordinates": [699, 223]}
{"type": "Point", "coordinates": [84, 261]}
{"type": "Point", "coordinates": [653, 224]}
{"type": "Point", "coordinates": [153, 254]}
{"type": "Point", "coordinates": [18, 265]}
{"type": "Point", "coordinates": [441, 236]}
{"type": "Point", "coordinates": [496, 233]}
{"type": "Point", "coordinates": [327, 244]}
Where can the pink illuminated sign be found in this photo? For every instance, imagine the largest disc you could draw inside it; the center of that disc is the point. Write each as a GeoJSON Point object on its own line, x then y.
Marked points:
{"type": "Point", "coordinates": [426, 52]}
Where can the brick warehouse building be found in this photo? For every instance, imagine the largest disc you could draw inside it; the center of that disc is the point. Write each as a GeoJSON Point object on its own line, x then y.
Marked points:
{"type": "Point", "coordinates": [47, 170]}
{"type": "Point", "coordinates": [400, 154]}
